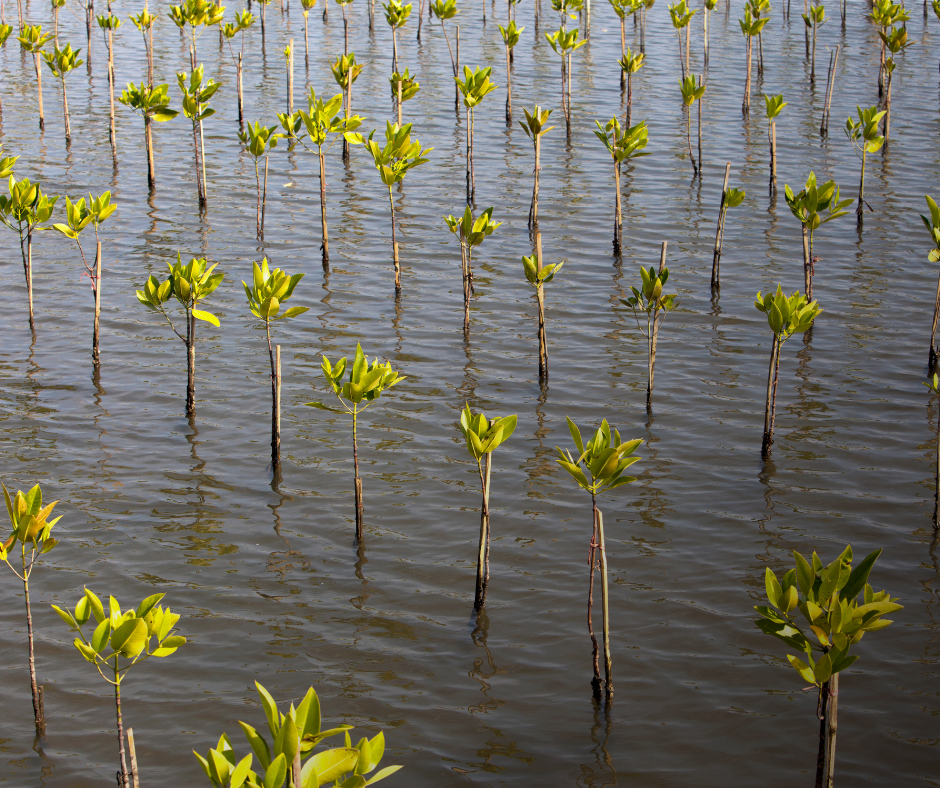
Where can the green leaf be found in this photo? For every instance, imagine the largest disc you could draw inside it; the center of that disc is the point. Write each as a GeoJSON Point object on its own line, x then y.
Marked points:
{"type": "Point", "coordinates": [207, 316]}
{"type": "Point", "coordinates": [130, 637]}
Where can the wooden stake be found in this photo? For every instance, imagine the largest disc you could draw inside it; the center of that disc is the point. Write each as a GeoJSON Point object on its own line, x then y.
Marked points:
{"type": "Point", "coordinates": [264, 195]}
{"type": "Point", "coordinates": [290, 78]}
{"type": "Point", "coordinates": [42, 119]}
{"type": "Point", "coordinates": [540, 297]}
{"type": "Point", "coordinates": [483, 555]}
{"type": "Point", "coordinates": [133, 752]}
{"type": "Point", "coordinates": [719, 231]}
{"type": "Point", "coordinates": [241, 116]}
{"type": "Point", "coordinates": [276, 410]}
{"type": "Point", "coordinates": [605, 609]}
{"type": "Point", "coordinates": [94, 342]}
{"type": "Point", "coordinates": [830, 85]}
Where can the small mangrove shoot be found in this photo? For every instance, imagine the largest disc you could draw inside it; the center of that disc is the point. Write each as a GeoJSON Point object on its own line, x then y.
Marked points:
{"type": "Point", "coordinates": [622, 145]}
{"type": "Point", "coordinates": [534, 127]}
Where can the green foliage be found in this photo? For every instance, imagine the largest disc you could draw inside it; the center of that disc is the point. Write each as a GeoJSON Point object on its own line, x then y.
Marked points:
{"type": "Point", "coordinates": [600, 463]}
{"type": "Point", "coordinates": [775, 105]}
{"type": "Point", "coordinates": [863, 133]}
{"type": "Point", "coordinates": [751, 25]}
{"type": "Point", "coordinates": [299, 730]}
{"type": "Point", "coordinates": [510, 33]}
{"type": "Point", "coordinates": [5, 31]}
{"type": "Point", "coordinates": [623, 145]}
{"type": "Point", "coordinates": [734, 197]}
{"type": "Point", "coordinates": [196, 13]}
{"type": "Point", "coordinates": [624, 8]}
{"type": "Point", "coordinates": [680, 14]}
{"type": "Point", "coordinates": [345, 69]}
{"type": "Point", "coordinates": [31, 527]}
{"type": "Point", "coordinates": [563, 41]}
{"type": "Point", "coordinates": [933, 383]}
{"type": "Point", "coordinates": [567, 8]}
{"type": "Point", "coordinates": [444, 9]}
{"type": "Point", "coordinates": [932, 224]}
{"type": "Point", "coordinates": [649, 297]}
{"type": "Point", "coordinates": [398, 156]}
{"type": "Point", "coordinates": [62, 62]}
{"type": "Point", "coordinates": [258, 140]}
{"type": "Point", "coordinates": [885, 13]}
{"type": "Point", "coordinates": [631, 63]}
{"type": "Point", "coordinates": [243, 20]}
{"type": "Point", "coordinates": [536, 276]}
{"type": "Point", "coordinates": [108, 22]}
{"type": "Point", "coordinates": [828, 599]}
{"type": "Point", "coordinates": [153, 103]}
{"type": "Point", "coordinates": [134, 635]}
{"type": "Point", "coordinates": [691, 92]}
{"type": "Point", "coordinates": [815, 17]}
{"type": "Point", "coordinates": [484, 435]}
{"type": "Point", "coordinates": [27, 208]}
{"type": "Point", "coordinates": [787, 315]}
{"type": "Point", "coordinates": [143, 20]}
{"type": "Point", "coordinates": [322, 119]}
{"type": "Point", "coordinates": [396, 14]}
{"type": "Point", "coordinates": [6, 163]}
{"type": "Point", "coordinates": [534, 124]}
{"type": "Point", "coordinates": [196, 95]}
{"type": "Point", "coordinates": [189, 284]}
{"type": "Point", "coordinates": [365, 383]}
{"type": "Point", "coordinates": [269, 290]}
{"type": "Point", "coordinates": [307, 5]}
{"type": "Point", "coordinates": [816, 205]}
{"type": "Point", "coordinates": [472, 232]}
{"type": "Point", "coordinates": [895, 40]}
{"type": "Point", "coordinates": [32, 39]}
{"type": "Point", "coordinates": [935, 5]}
{"type": "Point", "coordinates": [80, 214]}
{"type": "Point", "coordinates": [475, 85]}
{"type": "Point", "coordinates": [409, 85]}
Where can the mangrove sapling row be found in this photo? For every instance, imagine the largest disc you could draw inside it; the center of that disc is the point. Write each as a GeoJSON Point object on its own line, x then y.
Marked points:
{"type": "Point", "coordinates": [535, 127]}
{"type": "Point", "coordinates": [539, 275]}
{"type": "Point", "coordinates": [258, 141]}
{"type": "Point", "coordinates": [403, 87]}
{"type": "Point", "coordinates": [24, 212]}
{"type": "Point", "coordinates": [895, 40]}
{"type": "Point", "coordinates": [483, 436]}
{"type": "Point", "coordinates": [775, 105]}
{"type": "Point", "coordinates": [63, 62]}
{"type": "Point", "coordinates": [836, 620]}
{"type": "Point", "coordinates": [863, 134]}
{"type": "Point", "coordinates": [121, 640]}
{"type": "Point", "coordinates": [31, 527]}
{"type": "Point", "coordinates": [934, 385]}
{"type": "Point", "coordinates": [730, 198]}
{"type": "Point", "coordinates": [153, 104]}
{"type": "Point", "coordinates": [812, 20]}
{"type": "Point", "coordinates": [196, 107]}
{"type": "Point", "coordinates": [268, 292]}
{"type": "Point", "coordinates": [933, 227]}
{"type": "Point", "coordinates": [622, 145]}
{"type": "Point", "coordinates": [692, 90]}
{"type": "Point", "coordinates": [786, 317]}
{"type": "Point", "coordinates": [564, 43]}
{"type": "Point", "coordinates": [144, 23]}
{"type": "Point", "coordinates": [190, 285]}
{"type": "Point", "coordinates": [814, 206]}
{"type": "Point", "coordinates": [288, 761]}
{"type": "Point", "coordinates": [598, 467]}
{"type": "Point", "coordinates": [108, 25]}
{"type": "Point", "coordinates": [470, 232]}
{"type": "Point", "coordinates": [510, 35]}
{"type": "Point", "coordinates": [444, 10]}
{"type": "Point", "coordinates": [750, 27]}
{"type": "Point", "coordinates": [475, 86]}
{"type": "Point", "coordinates": [345, 72]}
{"type": "Point", "coordinates": [629, 65]}
{"type": "Point", "coordinates": [681, 18]}
{"type": "Point", "coordinates": [650, 300]}
{"type": "Point", "coordinates": [79, 215]}
{"type": "Point", "coordinates": [363, 387]}
{"type": "Point", "coordinates": [243, 20]}
{"type": "Point", "coordinates": [393, 161]}
{"type": "Point", "coordinates": [32, 40]}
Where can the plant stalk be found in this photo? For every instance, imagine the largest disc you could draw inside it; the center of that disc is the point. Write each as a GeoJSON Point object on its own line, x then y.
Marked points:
{"type": "Point", "coordinates": [38, 710]}
{"type": "Point", "coordinates": [96, 284]}
{"type": "Point", "coordinates": [483, 554]}
{"type": "Point", "coordinates": [605, 606]}
{"type": "Point", "coordinates": [540, 298]}
{"type": "Point", "coordinates": [325, 244]}
{"type": "Point", "coordinates": [771, 403]}
{"type": "Point", "coordinates": [395, 261]}
{"type": "Point", "coordinates": [592, 560]}
{"type": "Point", "coordinates": [123, 775]}
{"type": "Point", "coordinates": [42, 119]}
{"type": "Point", "coordinates": [357, 494]}
{"type": "Point", "coordinates": [720, 230]}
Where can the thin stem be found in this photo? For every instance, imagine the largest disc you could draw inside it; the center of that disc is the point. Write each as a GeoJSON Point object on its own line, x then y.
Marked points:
{"type": "Point", "coordinates": [357, 495]}
{"type": "Point", "coordinates": [120, 724]}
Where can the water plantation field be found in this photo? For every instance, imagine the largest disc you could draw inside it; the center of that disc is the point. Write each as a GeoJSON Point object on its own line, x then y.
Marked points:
{"type": "Point", "coordinates": [169, 488]}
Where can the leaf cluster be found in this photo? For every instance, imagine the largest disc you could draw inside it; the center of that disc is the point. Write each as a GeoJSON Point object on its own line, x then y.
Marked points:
{"type": "Point", "coordinates": [475, 85]}
{"type": "Point", "coordinates": [484, 435]}
{"type": "Point", "coordinates": [510, 33]}
{"type": "Point", "coordinates": [258, 139]}
{"type": "Point", "coordinates": [895, 40]}
{"type": "Point", "coordinates": [623, 144]}
{"type": "Point", "coordinates": [345, 69]}
{"type": "Point", "coordinates": [196, 13]}
{"type": "Point", "coordinates": [631, 63]}
{"type": "Point", "coordinates": [885, 13]}
{"type": "Point", "coordinates": [62, 62]}
{"type": "Point", "coordinates": [143, 20]}
{"type": "Point", "coordinates": [624, 8]}
{"type": "Point", "coordinates": [243, 20]}
{"type": "Point", "coordinates": [80, 214]}
{"type": "Point", "coordinates": [5, 31]}
{"type": "Point", "coordinates": [649, 297]}
{"type": "Point", "coordinates": [470, 231]}
{"type": "Point", "coordinates": [863, 133]}
{"type": "Point", "coordinates": [534, 124]}
{"type": "Point", "coordinates": [816, 205]}
{"type": "Point", "coordinates": [150, 102]}
{"type": "Point", "coordinates": [539, 276]}
{"type": "Point", "coordinates": [108, 21]}
{"type": "Point", "coordinates": [398, 156]}
{"type": "Point", "coordinates": [787, 315]}
{"type": "Point", "coordinates": [196, 95]}
{"type": "Point", "coordinates": [189, 284]}
{"type": "Point", "coordinates": [269, 289]}
{"type": "Point", "coordinates": [691, 91]}
{"type": "Point", "coordinates": [775, 105]}
{"type": "Point", "coordinates": [32, 39]}
{"type": "Point", "coordinates": [396, 14]}
{"type": "Point", "coordinates": [564, 41]}
{"type": "Point", "coordinates": [26, 206]}
{"type": "Point", "coordinates": [365, 383]}
{"type": "Point", "coordinates": [815, 17]}
{"type": "Point", "coordinates": [751, 25]}
{"type": "Point", "coordinates": [31, 527]}
{"type": "Point", "coordinates": [6, 163]}
{"type": "Point", "coordinates": [409, 85]}
{"type": "Point", "coordinates": [600, 463]}
{"type": "Point", "coordinates": [932, 224]}
{"type": "Point", "coordinates": [444, 9]}
{"type": "Point", "coordinates": [680, 14]}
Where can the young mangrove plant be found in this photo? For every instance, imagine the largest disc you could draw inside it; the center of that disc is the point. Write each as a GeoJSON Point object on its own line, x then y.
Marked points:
{"type": "Point", "coordinates": [708, 6]}
{"type": "Point", "coordinates": [786, 316]}
{"type": "Point", "coordinates": [539, 275]}
{"type": "Point", "coordinates": [243, 20]}
{"type": "Point", "coordinates": [196, 95]}
{"type": "Point", "coordinates": [885, 14]}
{"type": "Point", "coordinates": [190, 285]}
{"type": "Point", "coordinates": [564, 43]}
{"type": "Point", "coordinates": [31, 527]}
{"type": "Point", "coordinates": [393, 161]}
{"type": "Point", "coordinates": [535, 127]}
{"type": "Point", "coordinates": [895, 40]}
{"type": "Point", "coordinates": [144, 23]}
{"type": "Point", "coordinates": [79, 215]}
{"type": "Point", "coordinates": [259, 141]}
{"type": "Point", "coordinates": [622, 145]}
{"type": "Point", "coordinates": [444, 10]}
{"type": "Point", "coordinates": [839, 606]}
{"type": "Point", "coordinates": [758, 8]}
{"type": "Point", "coordinates": [267, 293]}
{"type": "Point", "coordinates": [775, 105]}
{"type": "Point", "coordinates": [396, 15]}
{"type": "Point", "coordinates": [483, 436]}
{"type": "Point", "coordinates": [63, 62]}
{"type": "Point", "coordinates": [750, 27]}
{"type": "Point", "coordinates": [153, 104]}
{"type": "Point", "coordinates": [121, 640]}
{"type": "Point", "coordinates": [32, 40]}
{"type": "Point", "coordinates": [288, 761]}
{"type": "Point", "coordinates": [346, 71]}
{"type": "Point", "coordinates": [813, 19]}
{"type": "Point", "coordinates": [863, 134]}
{"type": "Point", "coordinates": [623, 8]}
{"type": "Point", "coordinates": [108, 24]}
{"type": "Point", "coordinates": [650, 300]}
{"type": "Point", "coordinates": [814, 206]}
{"type": "Point", "coordinates": [510, 35]}
{"type": "Point", "coordinates": [933, 227]}
{"type": "Point", "coordinates": [730, 198]}
{"type": "Point", "coordinates": [364, 386]}
{"type": "Point", "coordinates": [598, 467]}
{"type": "Point", "coordinates": [475, 86]}
{"type": "Point", "coordinates": [403, 87]}
{"type": "Point", "coordinates": [342, 5]}
{"type": "Point", "coordinates": [934, 385]}
{"type": "Point", "coordinates": [681, 18]}
{"type": "Point", "coordinates": [24, 212]}
{"type": "Point", "coordinates": [470, 232]}
{"type": "Point", "coordinates": [692, 90]}
{"type": "Point", "coordinates": [307, 7]}
{"type": "Point", "coordinates": [629, 65]}
{"type": "Point", "coordinates": [5, 31]}
{"type": "Point", "coordinates": [196, 14]}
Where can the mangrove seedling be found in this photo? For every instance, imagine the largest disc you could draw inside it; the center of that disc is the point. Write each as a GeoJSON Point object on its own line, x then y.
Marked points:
{"type": "Point", "coordinates": [259, 141]}
{"type": "Point", "coordinates": [539, 275]}
{"type": "Point", "coordinates": [393, 161]}
{"type": "Point", "coordinates": [775, 105]}
{"type": "Point", "coordinates": [196, 14]}
{"type": "Point", "coordinates": [144, 23]}
{"type": "Point", "coordinates": [933, 227]}
{"type": "Point", "coordinates": [307, 7]}
{"type": "Point", "coordinates": [895, 40]}
{"type": "Point", "coordinates": [839, 606]}
{"type": "Point", "coordinates": [31, 527]}
{"type": "Point", "coordinates": [342, 4]}
{"type": "Point", "coordinates": [885, 14]}
{"type": "Point", "coordinates": [510, 35]}
{"type": "Point", "coordinates": [108, 25]}
{"type": "Point", "coordinates": [623, 8]}
{"type": "Point", "coordinates": [153, 104]}
{"type": "Point", "coordinates": [294, 735]}
{"type": "Point", "coordinates": [63, 62]}
{"type": "Point", "coordinates": [196, 95]}
{"type": "Point", "coordinates": [364, 386]}
{"type": "Point", "coordinates": [708, 6]}
{"type": "Point", "coordinates": [622, 145]}
{"type": "Point", "coordinates": [535, 127]}
{"type": "Point", "coordinates": [122, 639]}
{"type": "Point", "coordinates": [470, 232]}
{"type": "Point", "coordinates": [758, 8]}
{"type": "Point", "coordinates": [79, 215]}
{"type": "Point", "coordinates": [786, 316]}
{"type": "Point", "coordinates": [598, 467]}
{"type": "Point", "coordinates": [750, 27]}
{"type": "Point", "coordinates": [444, 10]}
{"type": "Point", "coordinates": [32, 40]}
{"type": "Point", "coordinates": [475, 86]}
{"type": "Point", "coordinates": [629, 65]}
{"type": "Point", "coordinates": [5, 31]}
{"type": "Point", "coordinates": [692, 92]}
{"type": "Point", "coordinates": [865, 139]}
{"type": "Point", "coordinates": [483, 436]}
{"type": "Point", "coordinates": [56, 7]}
{"type": "Point", "coordinates": [243, 20]}
{"type": "Point", "coordinates": [190, 284]}
{"type": "Point", "coordinates": [730, 198]}
{"type": "Point", "coordinates": [346, 71]}
{"type": "Point", "coordinates": [934, 385]}
{"type": "Point", "coordinates": [564, 43]}
{"type": "Point", "coordinates": [815, 17]}
{"type": "Point", "coordinates": [814, 206]}
{"type": "Point", "coordinates": [24, 212]}
{"type": "Point", "coordinates": [403, 87]}
{"type": "Point", "coordinates": [681, 18]}
{"type": "Point", "coordinates": [267, 293]}
{"type": "Point", "coordinates": [650, 300]}
{"type": "Point", "coordinates": [396, 15]}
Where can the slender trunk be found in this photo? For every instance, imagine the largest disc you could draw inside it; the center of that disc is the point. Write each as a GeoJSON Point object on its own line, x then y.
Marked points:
{"type": "Point", "coordinates": [720, 230]}
{"type": "Point", "coordinates": [688, 138]}
{"type": "Point", "coordinates": [349, 86]}
{"type": "Point", "coordinates": [508, 88]}
{"type": "Point", "coordinates": [936, 496]}
{"type": "Point", "coordinates": [746, 107]}
{"type": "Point", "coordinates": [190, 364]}
{"type": "Point", "coordinates": [357, 491]}
{"type": "Point", "coordinates": [760, 54]}
{"type": "Point", "coordinates": [881, 69]}
{"type": "Point", "coordinates": [132, 750]}
{"type": "Point", "coordinates": [241, 101]}
{"type": "Point", "coordinates": [568, 98]}
{"type": "Point", "coordinates": [276, 404]}
{"type": "Point", "coordinates": [28, 264]}
{"type": "Point", "coordinates": [812, 64]}
{"type": "Point", "coordinates": [42, 119]}
{"type": "Point", "coordinates": [201, 196]}
{"type": "Point", "coordinates": [111, 130]}
{"type": "Point", "coordinates": [629, 97]}
{"type": "Point", "coordinates": [592, 560]}
{"type": "Point", "coordinates": [618, 215]}
{"type": "Point", "coordinates": [605, 607]}
{"type": "Point", "coordinates": [534, 208]}
{"type": "Point", "coordinates": [456, 67]}
{"type": "Point", "coordinates": [805, 28]}
{"type": "Point", "coordinates": [540, 298]}
{"type": "Point", "coordinates": [773, 157]}
{"type": "Point", "coordinates": [325, 245]}
{"type": "Point", "coordinates": [391, 202]}
{"type": "Point", "coordinates": [258, 201]}
{"type": "Point", "coordinates": [124, 783]}
{"type": "Point", "coordinates": [887, 131]}
{"type": "Point", "coordinates": [306, 42]}
{"type": "Point", "coordinates": [95, 356]}
{"type": "Point", "coordinates": [148, 135]}
{"type": "Point", "coordinates": [933, 331]}
{"type": "Point", "coordinates": [290, 76]}
{"type": "Point", "coordinates": [295, 766]}
{"type": "Point", "coordinates": [688, 37]}
{"type": "Point", "coordinates": [643, 31]}
{"type": "Point", "coordinates": [830, 85]}
{"type": "Point", "coordinates": [399, 102]}
{"type": "Point", "coordinates": [681, 59]}
{"type": "Point", "coordinates": [470, 180]}
{"type": "Point", "coordinates": [700, 131]}
{"type": "Point", "coordinates": [807, 266]}
{"type": "Point", "coordinates": [38, 711]}
{"type": "Point", "coordinates": [202, 168]}
{"type": "Point", "coordinates": [705, 38]}
{"type": "Point", "coordinates": [150, 56]}
{"type": "Point", "coordinates": [623, 49]}
{"type": "Point", "coordinates": [483, 553]}
{"type": "Point", "coordinates": [827, 712]}
{"type": "Point", "coordinates": [264, 194]}
{"type": "Point", "coordinates": [860, 208]}
{"type": "Point", "coordinates": [394, 50]}
{"type": "Point", "coordinates": [770, 405]}
{"type": "Point", "coordinates": [465, 270]}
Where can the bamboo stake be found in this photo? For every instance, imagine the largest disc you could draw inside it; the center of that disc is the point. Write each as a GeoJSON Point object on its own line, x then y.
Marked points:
{"type": "Point", "coordinates": [773, 157]}
{"type": "Point", "coordinates": [770, 405]}
{"type": "Point", "coordinates": [241, 116]}
{"type": "Point", "coordinates": [325, 245]}
{"type": "Point", "coordinates": [290, 79]}
{"type": "Point", "coordinates": [111, 129]}
{"type": "Point", "coordinates": [95, 355]}
{"type": "Point", "coordinates": [605, 609]}
{"type": "Point", "coordinates": [42, 119]}
{"type": "Point", "coordinates": [830, 80]}
{"type": "Point", "coordinates": [264, 195]}
{"type": "Point", "coordinates": [483, 554]}
{"type": "Point", "coordinates": [719, 231]}
{"type": "Point", "coordinates": [832, 710]}
{"type": "Point", "coordinates": [699, 169]}
{"type": "Point", "coordinates": [540, 297]}
{"type": "Point", "coordinates": [654, 335]}
{"type": "Point", "coordinates": [132, 748]}
{"type": "Point", "coordinates": [276, 410]}
{"type": "Point", "coordinates": [807, 266]}
{"type": "Point", "coordinates": [932, 359]}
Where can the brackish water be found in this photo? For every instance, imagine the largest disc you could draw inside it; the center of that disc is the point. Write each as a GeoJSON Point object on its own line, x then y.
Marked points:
{"type": "Point", "coordinates": [267, 577]}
